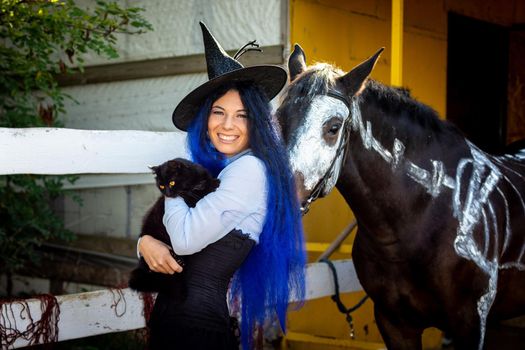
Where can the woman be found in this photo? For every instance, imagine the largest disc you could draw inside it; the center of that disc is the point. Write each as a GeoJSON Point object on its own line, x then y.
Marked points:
{"type": "Point", "coordinates": [250, 225]}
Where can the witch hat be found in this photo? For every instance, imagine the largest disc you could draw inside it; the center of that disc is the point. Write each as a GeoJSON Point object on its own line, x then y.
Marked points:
{"type": "Point", "coordinates": [223, 69]}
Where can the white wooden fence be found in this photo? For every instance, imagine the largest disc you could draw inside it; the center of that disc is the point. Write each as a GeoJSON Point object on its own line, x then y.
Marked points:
{"type": "Point", "coordinates": [124, 155]}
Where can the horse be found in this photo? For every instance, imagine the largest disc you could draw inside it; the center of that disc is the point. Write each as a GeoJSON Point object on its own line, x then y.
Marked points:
{"type": "Point", "coordinates": [441, 224]}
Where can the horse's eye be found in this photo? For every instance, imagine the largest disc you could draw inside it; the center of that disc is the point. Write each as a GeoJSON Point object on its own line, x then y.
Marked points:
{"type": "Point", "coordinates": [172, 183]}
{"type": "Point", "coordinates": [334, 129]}
{"type": "Point", "coordinates": [331, 130]}
{"type": "Point", "coordinates": [162, 187]}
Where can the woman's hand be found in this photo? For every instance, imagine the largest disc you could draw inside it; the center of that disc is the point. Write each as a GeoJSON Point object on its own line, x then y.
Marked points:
{"type": "Point", "coordinates": [157, 256]}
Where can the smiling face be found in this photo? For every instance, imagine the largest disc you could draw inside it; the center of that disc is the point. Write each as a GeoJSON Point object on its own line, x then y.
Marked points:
{"type": "Point", "coordinates": [228, 124]}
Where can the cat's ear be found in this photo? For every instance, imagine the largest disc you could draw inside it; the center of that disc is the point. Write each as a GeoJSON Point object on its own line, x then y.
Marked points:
{"type": "Point", "coordinates": [153, 168]}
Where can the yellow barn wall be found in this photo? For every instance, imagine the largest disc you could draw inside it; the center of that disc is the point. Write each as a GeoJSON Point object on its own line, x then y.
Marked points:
{"type": "Point", "coordinates": [345, 33]}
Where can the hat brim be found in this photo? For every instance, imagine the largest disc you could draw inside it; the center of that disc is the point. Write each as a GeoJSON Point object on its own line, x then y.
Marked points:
{"type": "Point", "coordinates": [270, 79]}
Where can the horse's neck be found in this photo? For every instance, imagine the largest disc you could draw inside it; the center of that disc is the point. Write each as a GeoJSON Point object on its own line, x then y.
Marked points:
{"type": "Point", "coordinates": [397, 185]}
{"type": "Point", "coordinates": [390, 170]}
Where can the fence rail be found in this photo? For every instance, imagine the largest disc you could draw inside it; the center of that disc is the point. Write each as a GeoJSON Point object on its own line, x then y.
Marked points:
{"type": "Point", "coordinates": [117, 310]}
{"type": "Point", "coordinates": [70, 151]}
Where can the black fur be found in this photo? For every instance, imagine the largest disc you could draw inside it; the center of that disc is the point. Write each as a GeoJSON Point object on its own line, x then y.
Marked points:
{"type": "Point", "coordinates": [189, 181]}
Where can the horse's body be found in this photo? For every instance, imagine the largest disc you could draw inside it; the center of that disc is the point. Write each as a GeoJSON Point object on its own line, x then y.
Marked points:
{"type": "Point", "coordinates": [441, 224]}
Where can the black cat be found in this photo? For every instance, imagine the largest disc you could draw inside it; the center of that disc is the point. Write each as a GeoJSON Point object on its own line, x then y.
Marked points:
{"type": "Point", "coordinates": [175, 178]}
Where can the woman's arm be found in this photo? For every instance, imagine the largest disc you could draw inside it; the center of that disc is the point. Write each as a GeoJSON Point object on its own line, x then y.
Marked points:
{"type": "Point", "coordinates": [241, 197]}
{"type": "Point", "coordinates": [157, 255]}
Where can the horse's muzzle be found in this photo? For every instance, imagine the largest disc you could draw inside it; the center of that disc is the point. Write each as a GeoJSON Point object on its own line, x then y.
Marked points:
{"type": "Point", "coordinates": [302, 193]}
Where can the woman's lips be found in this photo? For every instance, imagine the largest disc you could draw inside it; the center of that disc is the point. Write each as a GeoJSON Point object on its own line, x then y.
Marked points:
{"type": "Point", "coordinates": [227, 138]}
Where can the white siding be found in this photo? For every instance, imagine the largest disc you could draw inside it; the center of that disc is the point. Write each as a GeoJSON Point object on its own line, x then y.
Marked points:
{"type": "Point", "coordinates": [147, 104]}
{"type": "Point", "coordinates": [177, 31]}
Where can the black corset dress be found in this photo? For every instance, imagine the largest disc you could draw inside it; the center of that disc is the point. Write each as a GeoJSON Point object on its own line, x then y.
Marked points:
{"type": "Point", "coordinates": [201, 319]}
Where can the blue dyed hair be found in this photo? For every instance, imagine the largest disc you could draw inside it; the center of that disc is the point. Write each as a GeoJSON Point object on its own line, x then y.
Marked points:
{"type": "Point", "coordinates": [275, 267]}
{"type": "Point", "coordinates": [201, 149]}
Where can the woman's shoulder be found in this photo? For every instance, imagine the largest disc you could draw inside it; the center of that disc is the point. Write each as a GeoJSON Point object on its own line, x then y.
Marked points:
{"type": "Point", "coordinates": [250, 160]}
{"type": "Point", "coordinates": [247, 165]}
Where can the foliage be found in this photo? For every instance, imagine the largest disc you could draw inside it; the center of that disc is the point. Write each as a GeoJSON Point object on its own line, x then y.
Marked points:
{"type": "Point", "coordinates": [39, 40]}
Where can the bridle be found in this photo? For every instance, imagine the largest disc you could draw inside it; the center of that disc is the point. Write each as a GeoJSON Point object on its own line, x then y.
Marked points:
{"type": "Point", "coordinates": [319, 187]}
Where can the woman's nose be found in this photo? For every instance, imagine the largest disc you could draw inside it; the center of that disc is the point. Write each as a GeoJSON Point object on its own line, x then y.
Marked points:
{"type": "Point", "coordinates": [228, 122]}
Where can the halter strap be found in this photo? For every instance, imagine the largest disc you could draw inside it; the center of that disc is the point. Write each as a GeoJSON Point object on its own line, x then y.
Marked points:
{"type": "Point", "coordinates": [342, 145]}
{"type": "Point", "coordinates": [339, 96]}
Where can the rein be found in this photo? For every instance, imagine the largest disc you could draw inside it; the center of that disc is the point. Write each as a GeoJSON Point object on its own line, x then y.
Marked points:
{"type": "Point", "coordinates": [318, 188]}
{"type": "Point", "coordinates": [337, 299]}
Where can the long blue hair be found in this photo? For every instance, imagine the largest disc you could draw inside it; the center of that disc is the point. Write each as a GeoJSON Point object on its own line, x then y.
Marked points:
{"type": "Point", "coordinates": [275, 267]}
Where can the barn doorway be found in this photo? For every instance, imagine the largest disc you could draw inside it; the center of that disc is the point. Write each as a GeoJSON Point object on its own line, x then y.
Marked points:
{"type": "Point", "coordinates": [477, 80]}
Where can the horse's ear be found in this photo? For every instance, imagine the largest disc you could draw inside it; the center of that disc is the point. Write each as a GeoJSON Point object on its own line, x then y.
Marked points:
{"type": "Point", "coordinates": [353, 80]}
{"type": "Point", "coordinates": [296, 62]}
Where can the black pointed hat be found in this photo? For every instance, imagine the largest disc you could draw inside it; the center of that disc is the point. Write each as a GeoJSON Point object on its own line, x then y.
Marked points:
{"type": "Point", "coordinates": [224, 69]}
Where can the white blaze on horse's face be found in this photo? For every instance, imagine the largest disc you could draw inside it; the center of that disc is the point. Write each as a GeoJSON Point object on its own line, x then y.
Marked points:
{"type": "Point", "coordinates": [317, 140]}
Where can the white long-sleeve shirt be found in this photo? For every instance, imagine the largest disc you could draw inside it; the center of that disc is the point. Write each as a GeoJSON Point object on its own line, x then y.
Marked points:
{"type": "Point", "coordinates": [238, 203]}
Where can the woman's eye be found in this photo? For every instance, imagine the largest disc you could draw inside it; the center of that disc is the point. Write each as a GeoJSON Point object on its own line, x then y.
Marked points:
{"type": "Point", "coordinates": [217, 112]}
{"type": "Point", "coordinates": [172, 183]}
{"type": "Point", "coordinates": [242, 116]}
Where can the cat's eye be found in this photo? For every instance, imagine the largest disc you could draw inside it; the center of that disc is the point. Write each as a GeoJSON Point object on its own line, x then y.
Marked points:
{"type": "Point", "coordinates": [162, 187]}
{"type": "Point", "coordinates": [172, 183]}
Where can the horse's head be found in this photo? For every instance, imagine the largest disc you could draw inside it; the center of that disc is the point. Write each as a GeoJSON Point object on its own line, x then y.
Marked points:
{"type": "Point", "coordinates": [315, 120]}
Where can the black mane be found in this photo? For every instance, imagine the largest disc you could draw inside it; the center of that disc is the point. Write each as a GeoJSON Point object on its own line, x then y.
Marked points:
{"type": "Point", "coordinates": [413, 117]}
{"type": "Point", "coordinates": [398, 103]}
